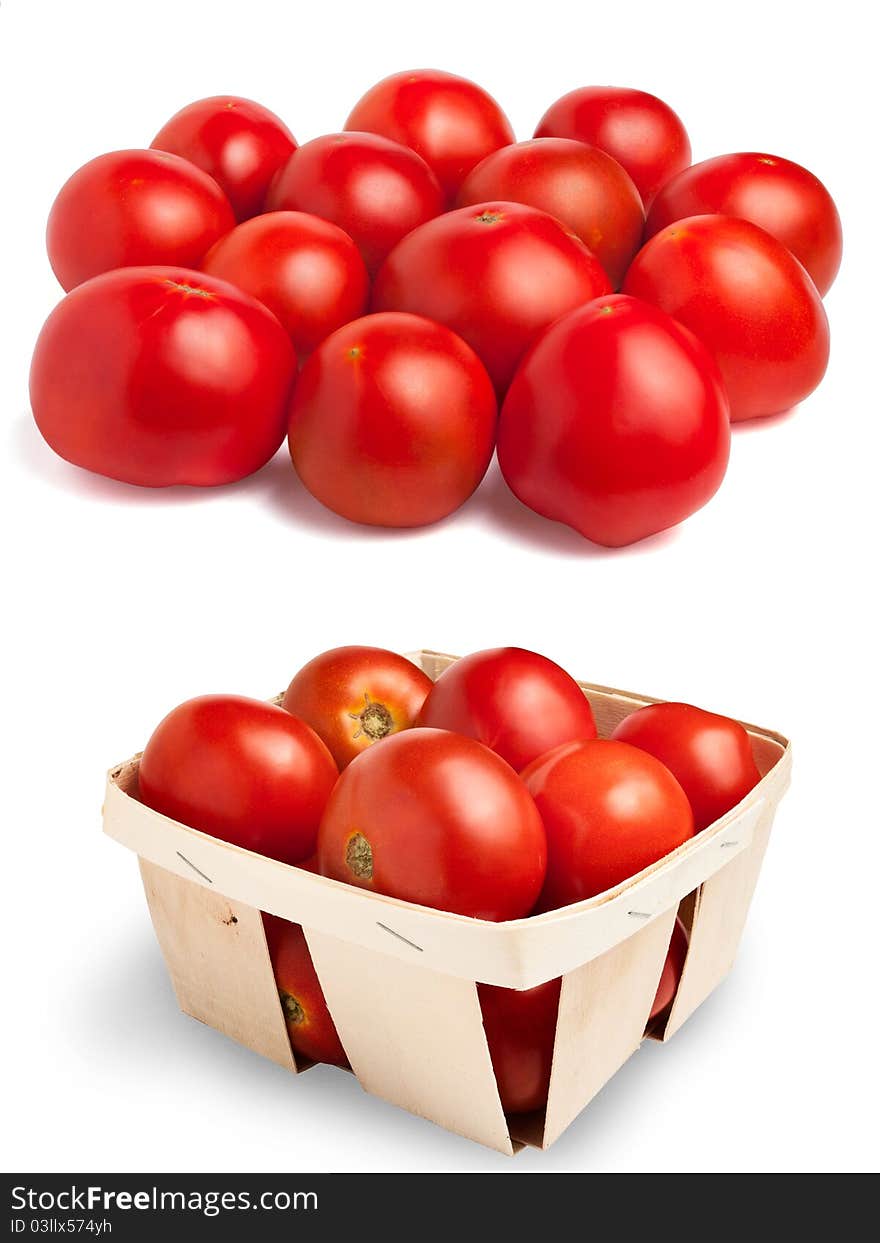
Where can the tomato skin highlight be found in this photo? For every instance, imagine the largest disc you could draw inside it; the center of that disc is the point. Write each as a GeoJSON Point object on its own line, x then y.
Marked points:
{"type": "Point", "coordinates": [236, 141]}
{"type": "Point", "coordinates": [241, 770]}
{"type": "Point", "coordinates": [354, 697]}
{"type": "Point", "coordinates": [673, 966]}
{"type": "Point", "coordinates": [609, 810]}
{"type": "Point", "coordinates": [783, 198]}
{"type": "Point", "coordinates": [580, 185]}
{"type": "Point", "coordinates": [374, 189]}
{"type": "Point", "coordinates": [132, 208]}
{"type": "Point", "coordinates": [496, 273]}
{"type": "Point", "coordinates": [160, 376]}
{"type": "Point", "coordinates": [709, 755]}
{"type": "Point", "coordinates": [307, 271]}
{"type": "Point", "coordinates": [451, 122]}
{"type": "Point", "coordinates": [521, 1031]}
{"type": "Point", "coordinates": [311, 1029]}
{"type": "Point", "coordinates": [616, 423]}
{"type": "Point", "coordinates": [436, 819]}
{"type": "Point", "coordinates": [639, 130]}
{"type": "Point", "coordinates": [748, 300]}
{"type": "Point", "coordinates": [515, 702]}
{"type": "Point", "coordinates": [393, 421]}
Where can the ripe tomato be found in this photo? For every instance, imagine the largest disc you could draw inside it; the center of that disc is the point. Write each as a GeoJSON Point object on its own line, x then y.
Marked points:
{"type": "Point", "coordinates": [580, 185]}
{"type": "Point", "coordinates": [516, 702]}
{"type": "Point", "coordinates": [673, 965]}
{"type": "Point", "coordinates": [497, 274]}
{"type": "Point", "coordinates": [242, 770]}
{"type": "Point", "coordinates": [311, 1029]}
{"type": "Point", "coordinates": [710, 755]}
{"type": "Point", "coordinates": [616, 423]}
{"type": "Point", "coordinates": [374, 189]}
{"type": "Point", "coordinates": [639, 130]}
{"type": "Point", "coordinates": [521, 1031]}
{"type": "Point", "coordinates": [452, 123]}
{"type": "Point", "coordinates": [748, 300]}
{"type": "Point", "coordinates": [239, 143]}
{"type": "Point", "coordinates": [307, 271]}
{"type": "Point", "coordinates": [134, 207]}
{"type": "Point", "coordinates": [437, 819]}
{"type": "Point", "coordinates": [393, 421]}
{"type": "Point", "coordinates": [355, 696]}
{"type": "Point", "coordinates": [609, 810]}
{"type": "Point", "coordinates": [160, 376]}
{"type": "Point", "coordinates": [781, 197]}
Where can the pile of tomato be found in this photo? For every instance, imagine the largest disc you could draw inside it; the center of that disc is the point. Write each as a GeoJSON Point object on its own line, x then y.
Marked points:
{"type": "Point", "coordinates": [403, 297]}
{"type": "Point", "coordinates": [486, 793]}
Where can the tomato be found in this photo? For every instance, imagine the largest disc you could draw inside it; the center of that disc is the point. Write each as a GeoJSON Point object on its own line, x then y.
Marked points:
{"type": "Point", "coordinates": [452, 123]}
{"type": "Point", "coordinates": [241, 770]}
{"type": "Point", "coordinates": [748, 300]}
{"type": "Point", "coordinates": [783, 198]}
{"type": "Point", "coordinates": [130, 208]}
{"type": "Point", "coordinates": [307, 271]}
{"type": "Point", "coordinates": [393, 421]}
{"type": "Point", "coordinates": [710, 755]}
{"type": "Point", "coordinates": [311, 1029]}
{"type": "Point", "coordinates": [239, 143]}
{"type": "Point", "coordinates": [374, 189]}
{"type": "Point", "coordinates": [516, 702]}
{"type": "Point", "coordinates": [521, 1031]}
{"type": "Point", "coordinates": [580, 185]}
{"type": "Point", "coordinates": [673, 966]}
{"type": "Point", "coordinates": [497, 274]}
{"type": "Point", "coordinates": [616, 423]}
{"type": "Point", "coordinates": [160, 376]}
{"type": "Point", "coordinates": [437, 819]}
{"type": "Point", "coordinates": [609, 810]}
{"type": "Point", "coordinates": [639, 130]}
{"type": "Point", "coordinates": [354, 696]}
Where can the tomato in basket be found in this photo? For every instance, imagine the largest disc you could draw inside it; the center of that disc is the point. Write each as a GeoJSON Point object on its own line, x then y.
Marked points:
{"type": "Point", "coordinates": [710, 755]}
{"type": "Point", "coordinates": [609, 810]}
{"type": "Point", "coordinates": [242, 770]}
{"type": "Point", "coordinates": [673, 966]}
{"type": "Point", "coordinates": [516, 702]}
{"type": "Point", "coordinates": [520, 1030]}
{"type": "Point", "coordinates": [311, 1029]}
{"type": "Point", "coordinates": [354, 697]}
{"type": "Point", "coordinates": [437, 819]}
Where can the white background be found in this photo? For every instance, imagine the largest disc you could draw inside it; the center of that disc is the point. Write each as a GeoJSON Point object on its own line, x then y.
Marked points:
{"type": "Point", "coordinates": [122, 602]}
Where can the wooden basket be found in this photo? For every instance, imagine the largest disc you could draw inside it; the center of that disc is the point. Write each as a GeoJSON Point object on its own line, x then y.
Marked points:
{"type": "Point", "coordinates": [400, 979]}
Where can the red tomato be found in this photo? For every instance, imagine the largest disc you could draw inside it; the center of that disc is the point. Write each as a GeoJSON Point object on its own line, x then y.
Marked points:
{"type": "Point", "coordinates": [748, 300]}
{"type": "Point", "coordinates": [710, 755]}
{"type": "Point", "coordinates": [521, 1031]}
{"type": "Point", "coordinates": [437, 819]}
{"type": "Point", "coordinates": [781, 197]}
{"type": "Point", "coordinates": [580, 185]}
{"type": "Point", "coordinates": [130, 208]}
{"type": "Point", "coordinates": [452, 123]}
{"type": "Point", "coordinates": [160, 376]}
{"type": "Point", "coordinates": [241, 770]}
{"type": "Point", "coordinates": [311, 1029]}
{"type": "Point", "coordinates": [616, 423]}
{"type": "Point", "coordinates": [355, 696]}
{"type": "Point", "coordinates": [374, 189]}
{"type": "Point", "coordinates": [609, 810]}
{"type": "Point", "coordinates": [239, 143]}
{"type": "Point", "coordinates": [307, 271]}
{"type": "Point", "coordinates": [673, 966]}
{"type": "Point", "coordinates": [393, 421]}
{"type": "Point", "coordinates": [639, 130]}
{"type": "Point", "coordinates": [497, 274]}
{"type": "Point", "coordinates": [516, 702]}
